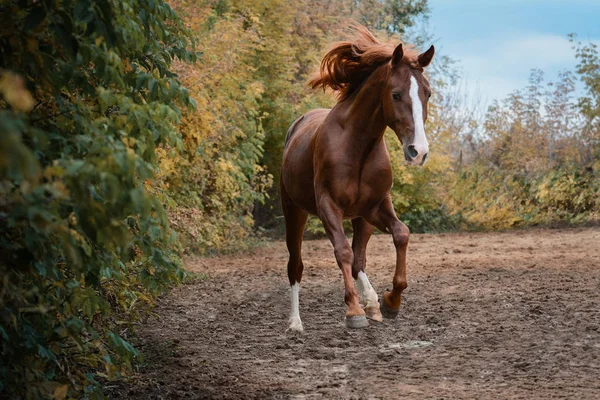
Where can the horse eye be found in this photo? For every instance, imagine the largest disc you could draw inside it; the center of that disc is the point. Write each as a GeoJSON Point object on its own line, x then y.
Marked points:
{"type": "Point", "coordinates": [396, 96]}
{"type": "Point", "coordinates": [428, 95]}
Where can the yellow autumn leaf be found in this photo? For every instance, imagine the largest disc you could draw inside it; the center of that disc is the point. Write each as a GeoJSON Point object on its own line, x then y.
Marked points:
{"type": "Point", "coordinates": [60, 393]}
{"type": "Point", "coordinates": [12, 88]}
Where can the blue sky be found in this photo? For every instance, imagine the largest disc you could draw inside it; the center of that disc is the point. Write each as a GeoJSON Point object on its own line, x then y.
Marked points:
{"type": "Point", "coordinates": [497, 43]}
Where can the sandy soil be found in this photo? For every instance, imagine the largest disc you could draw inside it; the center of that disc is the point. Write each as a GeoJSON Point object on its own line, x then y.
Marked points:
{"type": "Point", "coordinates": [485, 316]}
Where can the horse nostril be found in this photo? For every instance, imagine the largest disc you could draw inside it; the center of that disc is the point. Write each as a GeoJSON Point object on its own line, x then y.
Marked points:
{"type": "Point", "coordinates": [425, 157]}
{"type": "Point", "coordinates": [412, 151]}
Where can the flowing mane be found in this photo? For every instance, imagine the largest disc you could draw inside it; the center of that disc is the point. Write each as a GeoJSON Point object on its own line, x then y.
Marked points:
{"type": "Point", "coordinates": [348, 63]}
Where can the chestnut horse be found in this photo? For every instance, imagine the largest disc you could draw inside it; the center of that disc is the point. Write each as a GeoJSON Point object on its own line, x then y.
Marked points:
{"type": "Point", "coordinates": [336, 164]}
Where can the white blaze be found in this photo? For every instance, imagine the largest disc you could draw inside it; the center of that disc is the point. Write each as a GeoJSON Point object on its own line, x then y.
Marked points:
{"type": "Point", "coordinates": [420, 141]}
{"type": "Point", "coordinates": [295, 322]}
{"type": "Point", "coordinates": [368, 296]}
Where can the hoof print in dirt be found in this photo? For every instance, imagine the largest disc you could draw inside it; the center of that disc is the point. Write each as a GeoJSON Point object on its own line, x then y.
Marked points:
{"type": "Point", "coordinates": [358, 321]}
{"type": "Point", "coordinates": [386, 311]}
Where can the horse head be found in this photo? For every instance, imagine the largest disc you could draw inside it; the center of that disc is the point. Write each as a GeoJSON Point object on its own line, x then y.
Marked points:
{"type": "Point", "coordinates": [405, 101]}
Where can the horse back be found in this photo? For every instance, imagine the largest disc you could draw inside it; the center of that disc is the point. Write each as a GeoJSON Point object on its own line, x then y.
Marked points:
{"type": "Point", "coordinates": [313, 119]}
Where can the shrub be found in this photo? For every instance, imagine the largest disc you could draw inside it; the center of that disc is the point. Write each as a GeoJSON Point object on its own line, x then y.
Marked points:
{"type": "Point", "coordinates": [86, 98]}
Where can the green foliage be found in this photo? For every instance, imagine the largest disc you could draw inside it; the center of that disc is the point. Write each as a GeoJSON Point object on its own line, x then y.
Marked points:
{"type": "Point", "coordinates": [486, 173]}
{"type": "Point", "coordinates": [393, 16]}
{"type": "Point", "coordinates": [495, 199]}
{"type": "Point", "coordinates": [293, 37]}
{"type": "Point", "coordinates": [87, 97]}
{"type": "Point", "coordinates": [588, 69]}
{"type": "Point", "coordinates": [210, 188]}
{"type": "Point", "coordinates": [97, 161]}
{"type": "Point", "coordinates": [571, 194]}
{"type": "Point", "coordinates": [250, 87]}
{"type": "Point", "coordinates": [535, 163]}
{"type": "Point", "coordinates": [488, 198]}
{"type": "Point", "coordinates": [416, 191]}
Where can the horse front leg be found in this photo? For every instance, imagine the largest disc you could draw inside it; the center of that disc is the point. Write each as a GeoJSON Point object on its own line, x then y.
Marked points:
{"type": "Point", "coordinates": [332, 218]}
{"type": "Point", "coordinates": [368, 297]}
{"type": "Point", "coordinates": [386, 220]}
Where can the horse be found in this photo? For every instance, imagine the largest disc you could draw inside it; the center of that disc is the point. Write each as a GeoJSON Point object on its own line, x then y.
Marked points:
{"type": "Point", "coordinates": [336, 165]}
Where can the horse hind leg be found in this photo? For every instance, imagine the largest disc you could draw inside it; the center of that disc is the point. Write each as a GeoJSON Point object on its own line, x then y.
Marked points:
{"type": "Point", "coordinates": [368, 296]}
{"type": "Point", "coordinates": [295, 220]}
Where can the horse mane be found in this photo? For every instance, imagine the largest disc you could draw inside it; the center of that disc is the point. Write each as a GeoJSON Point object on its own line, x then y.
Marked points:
{"type": "Point", "coordinates": [348, 63]}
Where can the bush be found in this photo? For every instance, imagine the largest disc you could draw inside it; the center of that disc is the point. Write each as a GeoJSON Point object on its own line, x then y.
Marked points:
{"type": "Point", "coordinates": [210, 187]}
{"type": "Point", "coordinates": [489, 198]}
{"type": "Point", "coordinates": [570, 194]}
{"type": "Point", "coordinates": [87, 97]}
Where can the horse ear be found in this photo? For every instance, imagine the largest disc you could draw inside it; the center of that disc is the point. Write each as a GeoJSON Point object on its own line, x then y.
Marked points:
{"type": "Point", "coordinates": [425, 58]}
{"type": "Point", "coordinates": [397, 56]}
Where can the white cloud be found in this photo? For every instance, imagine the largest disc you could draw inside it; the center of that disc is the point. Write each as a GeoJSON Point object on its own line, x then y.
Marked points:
{"type": "Point", "coordinates": [499, 69]}
{"type": "Point", "coordinates": [497, 43]}
{"type": "Point", "coordinates": [540, 51]}
{"type": "Point", "coordinates": [521, 52]}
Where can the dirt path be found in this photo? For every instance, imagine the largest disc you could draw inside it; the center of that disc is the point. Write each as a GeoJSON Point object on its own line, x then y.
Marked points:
{"type": "Point", "coordinates": [485, 316]}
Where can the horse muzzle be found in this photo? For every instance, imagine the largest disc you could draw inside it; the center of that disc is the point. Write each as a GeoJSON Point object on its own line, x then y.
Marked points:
{"type": "Point", "coordinates": [416, 154]}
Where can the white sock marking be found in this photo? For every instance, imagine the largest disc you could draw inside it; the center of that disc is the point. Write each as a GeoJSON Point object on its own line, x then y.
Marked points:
{"type": "Point", "coordinates": [295, 322]}
{"type": "Point", "coordinates": [420, 141]}
{"type": "Point", "coordinates": [368, 296]}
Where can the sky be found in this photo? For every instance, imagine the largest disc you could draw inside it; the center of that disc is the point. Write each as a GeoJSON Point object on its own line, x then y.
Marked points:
{"type": "Point", "coordinates": [497, 43]}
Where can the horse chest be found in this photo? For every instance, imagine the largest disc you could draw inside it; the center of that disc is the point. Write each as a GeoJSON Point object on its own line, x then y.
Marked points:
{"type": "Point", "coordinates": [375, 174]}
{"type": "Point", "coordinates": [372, 187]}
{"type": "Point", "coordinates": [357, 192]}
{"type": "Point", "coordinates": [357, 188]}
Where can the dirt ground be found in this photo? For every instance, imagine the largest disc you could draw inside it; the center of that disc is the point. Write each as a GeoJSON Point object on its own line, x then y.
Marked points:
{"type": "Point", "coordinates": [485, 316]}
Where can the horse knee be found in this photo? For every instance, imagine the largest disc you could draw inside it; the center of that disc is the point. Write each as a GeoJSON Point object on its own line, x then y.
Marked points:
{"type": "Point", "coordinates": [401, 234]}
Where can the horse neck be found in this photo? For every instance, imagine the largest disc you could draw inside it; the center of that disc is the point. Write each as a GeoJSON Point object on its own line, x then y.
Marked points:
{"type": "Point", "coordinates": [363, 111]}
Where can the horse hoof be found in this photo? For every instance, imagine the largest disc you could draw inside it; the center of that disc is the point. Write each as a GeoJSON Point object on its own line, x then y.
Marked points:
{"type": "Point", "coordinates": [386, 311]}
{"type": "Point", "coordinates": [357, 321]}
{"type": "Point", "coordinates": [373, 313]}
{"type": "Point", "coordinates": [295, 325]}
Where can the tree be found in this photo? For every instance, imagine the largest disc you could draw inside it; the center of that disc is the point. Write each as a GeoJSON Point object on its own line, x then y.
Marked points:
{"type": "Point", "coordinates": [562, 122]}
{"type": "Point", "coordinates": [588, 70]}
{"type": "Point", "coordinates": [210, 187]}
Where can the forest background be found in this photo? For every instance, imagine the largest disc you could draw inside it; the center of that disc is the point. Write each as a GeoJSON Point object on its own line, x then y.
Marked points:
{"type": "Point", "coordinates": [134, 131]}
{"type": "Point", "coordinates": [525, 160]}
